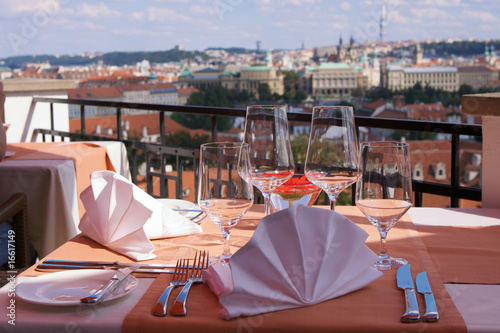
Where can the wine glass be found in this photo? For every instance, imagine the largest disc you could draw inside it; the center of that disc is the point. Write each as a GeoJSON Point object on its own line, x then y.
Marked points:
{"type": "Point", "coordinates": [384, 191]}
{"type": "Point", "coordinates": [225, 193]}
{"type": "Point", "coordinates": [271, 159]}
{"type": "Point", "coordinates": [332, 158]}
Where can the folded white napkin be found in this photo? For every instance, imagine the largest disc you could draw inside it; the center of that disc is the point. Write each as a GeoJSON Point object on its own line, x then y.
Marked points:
{"type": "Point", "coordinates": [122, 217]}
{"type": "Point", "coordinates": [297, 257]}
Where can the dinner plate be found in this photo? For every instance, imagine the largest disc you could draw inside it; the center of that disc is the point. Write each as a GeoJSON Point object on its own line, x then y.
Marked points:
{"type": "Point", "coordinates": [68, 287]}
{"type": "Point", "coordinates": [183, 204]}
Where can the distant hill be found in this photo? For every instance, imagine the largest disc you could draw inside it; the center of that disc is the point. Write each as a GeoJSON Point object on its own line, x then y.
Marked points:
{"type": "Point", "coordinates": [458, 48]}
{"type": "Point", "coordinates": [112, 58]}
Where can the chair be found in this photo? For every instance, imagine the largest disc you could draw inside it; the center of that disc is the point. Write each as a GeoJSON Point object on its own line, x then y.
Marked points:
{"type": "Point", "coordinates": [15, 209]}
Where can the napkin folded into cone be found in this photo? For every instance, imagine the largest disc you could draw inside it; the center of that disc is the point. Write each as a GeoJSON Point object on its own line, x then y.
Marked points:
{"type": "Point", "coordinates": [297, 257]}
{"type": "Point", "coordinates": [122, 217]}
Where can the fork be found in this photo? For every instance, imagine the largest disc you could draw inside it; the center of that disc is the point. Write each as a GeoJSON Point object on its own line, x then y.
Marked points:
{"type": "Point", "coordinates": [200, 264]}
{"type": "Point", "coordinates": [178, 279]}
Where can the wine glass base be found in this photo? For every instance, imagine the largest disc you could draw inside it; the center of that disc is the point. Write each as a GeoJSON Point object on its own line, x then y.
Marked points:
{"type": "Point", "coordinates": [218, 260]}
{"type": "Point", "coordinates": [384, 264]}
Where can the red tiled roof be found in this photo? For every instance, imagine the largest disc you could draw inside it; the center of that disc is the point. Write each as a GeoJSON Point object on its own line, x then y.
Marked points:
{"type": "Point", "coordinates": [86, 93]}
{"type": "Point", "coordinates": [136, 124]}
{"type": "Point", "coordinates": [186, 91]}
{"type": "Point", "coordinates": [374, 105]}
{"type": "Point", "coordinates": [146, 86]}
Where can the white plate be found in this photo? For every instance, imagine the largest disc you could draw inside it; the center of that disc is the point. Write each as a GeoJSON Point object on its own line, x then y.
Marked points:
{"type": "Point", "coordinates": [68, 287]}
{"type": "Point", "coordinates": [9, 153]}
{"type": "Point", "coordinates": [183, 204]}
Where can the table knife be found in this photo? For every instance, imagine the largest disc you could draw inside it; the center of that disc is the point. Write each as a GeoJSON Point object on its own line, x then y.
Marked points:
{"type": "Point", "coordinates": [405, 282]}
{"type": "Point", "coordinates": [109, 287]}
{"type": "Point", "coordinates": [431, 313]}
{"type": "Point", "coordinates": [104, 263]}
{"type": "Point", "coordinates": [43, 267]}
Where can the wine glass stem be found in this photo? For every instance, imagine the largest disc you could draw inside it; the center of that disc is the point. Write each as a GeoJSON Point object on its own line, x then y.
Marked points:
{"type": "Point", "coordinates": [226, 250]}
{"type": "Point", "coordinates": [383, 247]}
{"type": "Point", "coordinates": [333, 200]}
{"type": "Point", "coordinates": [267, 202]}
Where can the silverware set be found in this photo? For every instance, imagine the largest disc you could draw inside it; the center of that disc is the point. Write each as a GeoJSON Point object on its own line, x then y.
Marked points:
{"type": "Point", "coordinates": [405, 282]}
{"type": "Point", "coordinates": [184, 275]}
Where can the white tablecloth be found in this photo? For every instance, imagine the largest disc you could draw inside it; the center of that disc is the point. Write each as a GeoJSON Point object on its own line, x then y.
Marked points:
{"type": "Point", "coordinates": [478, 304]}
{"type": "Point", "coordinates": [50, 186]}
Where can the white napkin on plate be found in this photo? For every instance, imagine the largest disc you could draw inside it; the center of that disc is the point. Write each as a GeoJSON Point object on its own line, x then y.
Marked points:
{"type": "Point", "coordinates": [297, 257]}
{"type": "Point", "coordinates": [122, 217]}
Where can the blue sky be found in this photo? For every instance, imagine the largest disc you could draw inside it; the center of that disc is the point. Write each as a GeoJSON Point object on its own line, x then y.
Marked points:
{"type": "Point", "coordinates": [73, 26]}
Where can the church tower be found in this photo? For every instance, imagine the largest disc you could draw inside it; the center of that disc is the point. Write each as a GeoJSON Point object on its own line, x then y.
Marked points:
{"type": "Point", "coordinates": [418, 56]}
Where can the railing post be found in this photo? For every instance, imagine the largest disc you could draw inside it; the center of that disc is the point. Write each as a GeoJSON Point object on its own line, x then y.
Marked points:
{"type": "Point", "coordinates": [119, 134]}
{"type": "Point", "coordinates": [455, 170]}
{"type": "Point", "coordinates": [82, 119]}
{"type": "Point", "coordinates": [162, 128]}
{"type": "Point", "coordinates": [214, 128]}
{"type": "Point", "coordinates": [52, 119]}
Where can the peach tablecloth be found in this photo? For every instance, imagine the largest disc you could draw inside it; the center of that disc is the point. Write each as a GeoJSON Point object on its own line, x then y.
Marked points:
{"type": "Point", "coordinates": [376, 307]}
{"type": "Point", "coordinates": [52, 175]}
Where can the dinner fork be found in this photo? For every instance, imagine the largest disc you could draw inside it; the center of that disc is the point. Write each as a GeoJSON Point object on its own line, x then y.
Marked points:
{"type": "Point", "coordinates": [200, 264]}
{"type": "Point", "coordinates": [178, 279]}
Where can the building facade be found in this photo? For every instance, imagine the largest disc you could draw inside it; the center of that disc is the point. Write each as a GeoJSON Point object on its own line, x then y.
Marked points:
{"type": "Point", "coordinates": [248, 79]}
{"type": "Point", "coordinates": [400, 78]}
{"type": "Point", "coordinates": [477, 76]}
{"type": "Point", "coordinates": [330, 79]}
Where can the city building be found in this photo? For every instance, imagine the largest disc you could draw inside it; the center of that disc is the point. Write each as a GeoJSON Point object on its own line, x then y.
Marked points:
{"type": "Point", "coordinates": [330, 79]}
{"type": "Point", "coordinates": [154, 93]}
{"type": "Point", "coordinates": [438, 77]}
{"type": "Point", "coordinates": [249, 79]}
{"type": "Point", "coordinates": [477, 76]}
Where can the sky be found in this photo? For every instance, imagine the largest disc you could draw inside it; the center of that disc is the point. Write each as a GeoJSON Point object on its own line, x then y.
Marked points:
{"type": "Point", "coordinates": [34, 27]}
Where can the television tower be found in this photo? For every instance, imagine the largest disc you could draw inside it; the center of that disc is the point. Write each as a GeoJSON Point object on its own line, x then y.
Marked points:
{"type": "Point", "coordinates": [383, 23]}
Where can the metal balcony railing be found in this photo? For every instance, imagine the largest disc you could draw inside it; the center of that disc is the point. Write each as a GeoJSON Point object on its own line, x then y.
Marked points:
{"type": "Point", "coordinates": [156, 153]}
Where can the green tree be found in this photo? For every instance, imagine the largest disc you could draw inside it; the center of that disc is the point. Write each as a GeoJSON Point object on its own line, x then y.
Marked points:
{"type": "Point", "coordinates": [264, 93]}
{"type": "Point", "coordinates": [300, 95]}
{"type": "Point", "coordinates": [184, 139]}
{"type": "Point", "coordinates": [213, 96]}
{"type": "Point", "coordinates": [465, 89]}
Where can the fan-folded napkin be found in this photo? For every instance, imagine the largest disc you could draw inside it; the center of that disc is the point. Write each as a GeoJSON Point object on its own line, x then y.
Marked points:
{"type": "Point", "coordinates": [122, 217]}
{"type": "Point", "coordinates": [297, 257]}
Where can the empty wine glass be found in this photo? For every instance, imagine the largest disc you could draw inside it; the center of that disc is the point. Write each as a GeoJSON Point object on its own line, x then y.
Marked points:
{"type": "Point", "coordinates": [332, 158]}
{"type": "Point", "coordinates": [271, 159]}
{"type": "Point", "coordinates": [384, 191]}
{"type": "Point", "coordinates": [225, 194]}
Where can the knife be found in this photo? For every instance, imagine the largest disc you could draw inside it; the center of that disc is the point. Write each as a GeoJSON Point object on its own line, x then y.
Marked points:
{"type": "Point", "coordinates": [431, 313]}
{"type": "Point", "coordinates": [109, 287]}
{"type": "Point", "coordinates": [104, 263]}
{"type": "Point", "coordinates": [43, 267]}
{"type": "Point", "coordinates": [405, 282]}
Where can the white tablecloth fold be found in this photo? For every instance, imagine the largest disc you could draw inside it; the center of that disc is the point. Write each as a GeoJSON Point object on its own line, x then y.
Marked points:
{"type": "Point", "coordinates": [297, 257]}
{"type": "Point", "coordinates": [122, 217]}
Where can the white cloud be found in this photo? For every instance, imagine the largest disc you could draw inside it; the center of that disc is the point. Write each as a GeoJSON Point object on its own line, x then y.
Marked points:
{"type": "Point", "coordinates": [278, 24]}
{"type": "Point", "coordinates": [156, 14]}
{"type": "Point", "coordinates": [267, 9]}
{"type": "Point", "coordinates": [481, 16]}
{"type": "Point", "coordinates": [442, 3]}
{"type": "Point", "coordinates": [87, 25]}
{"type": "Point", "coordinates": [429, 13]}
{"type": "Point", "coordinates": [345, 5]}
{"type": "Point", "coordinates": [95, 11]}
{"type": "Point", "coordinates": [172, 1]}
{"type": "Point", "coordinates": [140, 32]}
{"type": "Point", "coordinates": [196, 9]}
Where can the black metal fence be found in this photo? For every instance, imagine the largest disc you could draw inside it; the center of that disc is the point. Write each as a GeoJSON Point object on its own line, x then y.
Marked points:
{"type": "Point", "coordinates": [160, 151]}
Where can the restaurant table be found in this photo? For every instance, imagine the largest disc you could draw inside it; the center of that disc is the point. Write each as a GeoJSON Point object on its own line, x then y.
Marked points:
{"type": "Point", "coordinates": [52, 175]}
{"type": "Point", "coordinates": [458, 249]}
